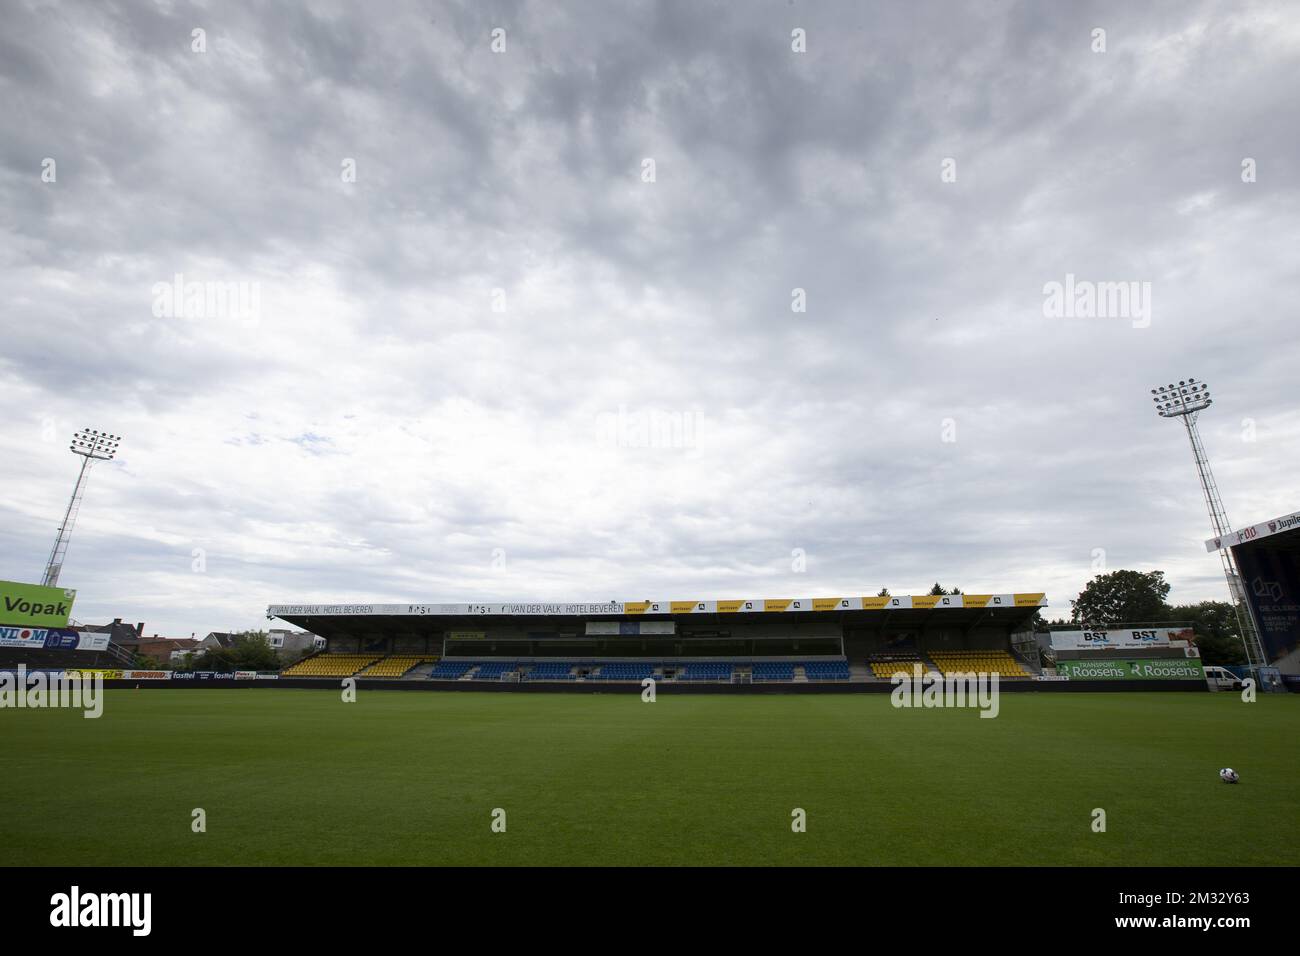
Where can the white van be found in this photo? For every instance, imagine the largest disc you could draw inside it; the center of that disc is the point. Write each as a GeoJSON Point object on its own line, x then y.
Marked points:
{"type": "Point", "coordinates": [1220, 678]}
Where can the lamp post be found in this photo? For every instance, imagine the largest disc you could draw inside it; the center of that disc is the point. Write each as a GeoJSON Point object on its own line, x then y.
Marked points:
{"type": "Point", "coordinates": [91, 445]}
{"type": "Point", "coordinates": [1186, 401]}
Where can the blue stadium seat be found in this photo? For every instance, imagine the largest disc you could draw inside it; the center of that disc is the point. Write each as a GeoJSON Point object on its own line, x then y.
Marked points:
{"type": "Point", "coordinates": [706, 671]}
{"type": "Point", "coordinates": [552, 670]}
{"type": "Point", "coordinates": [826, 670]}
{"type": "Point", "coordinates": [624, 670]}
{"type": "Point", "coordinates": [450, 670]}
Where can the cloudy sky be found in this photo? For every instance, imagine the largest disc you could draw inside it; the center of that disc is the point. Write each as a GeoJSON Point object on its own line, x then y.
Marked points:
{"type": "Point", "coordinates": [666, 301]}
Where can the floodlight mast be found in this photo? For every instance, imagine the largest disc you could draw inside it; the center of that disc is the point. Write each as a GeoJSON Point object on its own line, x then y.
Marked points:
{"type": "Point", "coordinates": [91, 445]}
{"type": "Point", "coordinates": [1186, 401]}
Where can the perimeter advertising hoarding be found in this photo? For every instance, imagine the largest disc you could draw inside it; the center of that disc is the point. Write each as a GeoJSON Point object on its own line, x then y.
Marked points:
{"type": "Point", "coordinates": [1130, 638]}
{"type": "Point", "coordinates": [51, 639]}
{"type": "Point", "coordinates": [34, 605]}
{"type": "Point", "coordinates": [23, 637]}
{"type": "Point", "coordinates": [1171, 668]}
{"type": "Point", "coordinates": [61, 639]}
{"type": "Point", "coordinates": [91, 641]}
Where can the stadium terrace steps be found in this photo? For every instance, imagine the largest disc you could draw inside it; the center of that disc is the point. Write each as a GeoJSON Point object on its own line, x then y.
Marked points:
{"type": "Point", "coordinates": [421, 671]}
{"type": "Point", "coordinates": [395, 666]}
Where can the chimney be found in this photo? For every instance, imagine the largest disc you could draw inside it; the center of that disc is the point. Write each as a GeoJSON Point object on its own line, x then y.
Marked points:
{"type": "Point", "coordinates": [139, 628]}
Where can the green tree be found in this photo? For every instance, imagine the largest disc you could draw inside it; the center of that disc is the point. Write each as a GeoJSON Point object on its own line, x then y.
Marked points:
{"type": "Point", "coordinates": [883, 592]}
{"type": "Point", "coordinates": [940, 589]}
{"type": "Point", "coordinates": [1122, 597]}
{"type": "Point", "coordinates": [250, 652]}
{"type": "Point", "coordinates": [1217, 636]}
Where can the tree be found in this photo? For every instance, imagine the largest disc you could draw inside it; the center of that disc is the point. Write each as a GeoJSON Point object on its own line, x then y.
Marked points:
{"type": "Point", "coordinates": [1217, 636]}
{"type": "Point", "coordinates": [1059, 624]}
{"type": "Point", "coordinates": [250, 652]}
{"type": "Point", "coordinates": [1122, 597]}
{"type": "Point", "coordinates": [940, 589]}
{"type": "Point", "coordinates": [883, 592]}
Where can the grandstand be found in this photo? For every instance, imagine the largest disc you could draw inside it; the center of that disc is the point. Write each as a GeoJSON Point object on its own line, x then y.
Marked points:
{"type": "Point", "coordinates": [786, 641]}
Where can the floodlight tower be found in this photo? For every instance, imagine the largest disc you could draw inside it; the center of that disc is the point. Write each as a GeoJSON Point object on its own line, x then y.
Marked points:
{"type": "Point", "coordinates": [91, 445]}
{"type": "Point", "coordinates": [1187, 400]}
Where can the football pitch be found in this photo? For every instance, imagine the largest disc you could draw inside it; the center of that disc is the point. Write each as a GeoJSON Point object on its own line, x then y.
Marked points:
{"type": "Point", "coordinates": [413, 778]}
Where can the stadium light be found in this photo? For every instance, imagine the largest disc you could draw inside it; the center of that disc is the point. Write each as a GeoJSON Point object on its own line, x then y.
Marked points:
{"type": "Point", "coordinates": [1185, 398]}
{"type": "Point", "coordinates": [1186, 401]}
{"type": "Point", "coordinates": [92, 445]}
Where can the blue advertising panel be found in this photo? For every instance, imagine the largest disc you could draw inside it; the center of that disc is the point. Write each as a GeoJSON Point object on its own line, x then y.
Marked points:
{"type": "Point", "coordinates": [59, 639]}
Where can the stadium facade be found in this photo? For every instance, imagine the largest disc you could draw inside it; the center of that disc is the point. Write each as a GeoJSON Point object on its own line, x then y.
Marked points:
{"type": "Point", "coordinates": [1267, 557]}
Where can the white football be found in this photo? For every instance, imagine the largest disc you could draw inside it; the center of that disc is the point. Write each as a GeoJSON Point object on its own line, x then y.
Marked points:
{"type": "Point", "coordinates": [1228, 775]}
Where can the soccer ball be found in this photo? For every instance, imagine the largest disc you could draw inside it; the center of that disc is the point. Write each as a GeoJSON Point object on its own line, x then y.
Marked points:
{"type": "Point", "coordinates": [1228, 775]}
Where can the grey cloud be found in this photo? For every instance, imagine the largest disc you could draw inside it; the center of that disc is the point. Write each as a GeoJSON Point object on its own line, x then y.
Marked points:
{"type": "Point", "coordinates": [447, 429]}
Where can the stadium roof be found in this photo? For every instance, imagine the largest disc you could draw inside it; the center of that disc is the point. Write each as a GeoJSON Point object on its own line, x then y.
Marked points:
{"type": "Point", "coordinates": [966, 608]}
{"type": "Point", "coordinates": [887, 602]}
{"type": "Point", "coordinates": [1264, 529]}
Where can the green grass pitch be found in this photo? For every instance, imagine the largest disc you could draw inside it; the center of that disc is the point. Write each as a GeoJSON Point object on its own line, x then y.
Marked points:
{"type": "Point", "coordinates": [411, 778]}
